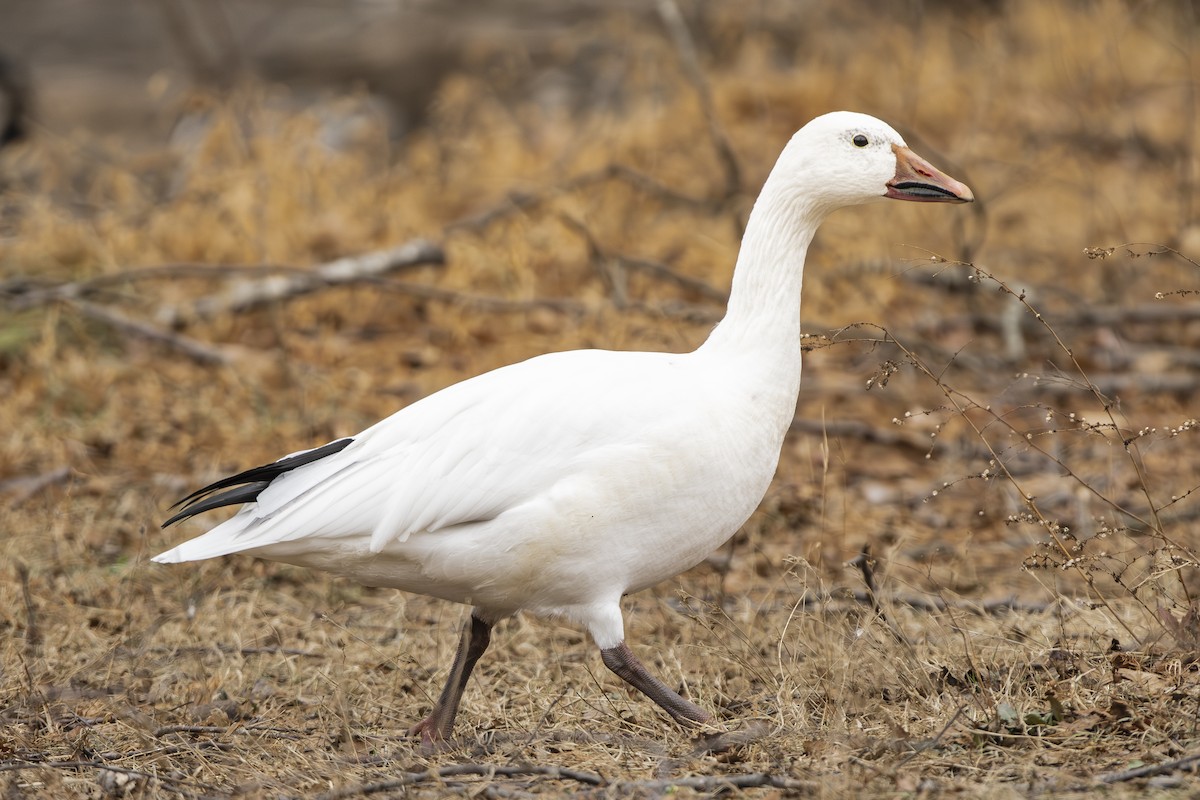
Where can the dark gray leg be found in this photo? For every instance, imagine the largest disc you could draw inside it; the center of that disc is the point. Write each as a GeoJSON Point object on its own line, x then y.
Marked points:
{"type": "Point", "coordinates": [437, 727]}
{"type": "Point", "coordinates": [624, 663]}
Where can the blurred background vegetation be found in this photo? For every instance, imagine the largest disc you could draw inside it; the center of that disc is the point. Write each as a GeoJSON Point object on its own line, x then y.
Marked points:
{"type": "Point", "coordinates": [579, 173]}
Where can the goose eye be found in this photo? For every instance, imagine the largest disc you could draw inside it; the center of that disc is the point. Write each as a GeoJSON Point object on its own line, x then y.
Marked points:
{"type": "Point", "coordinates": [859, 140]}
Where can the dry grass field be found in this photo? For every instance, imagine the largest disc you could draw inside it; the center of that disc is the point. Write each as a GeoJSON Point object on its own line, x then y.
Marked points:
{"type": "Point", "coordinates": [974, 575]}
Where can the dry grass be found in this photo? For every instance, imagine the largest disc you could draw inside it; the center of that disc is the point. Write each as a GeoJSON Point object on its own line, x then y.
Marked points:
{"type": "Point", "coordinates": [1012, 657]}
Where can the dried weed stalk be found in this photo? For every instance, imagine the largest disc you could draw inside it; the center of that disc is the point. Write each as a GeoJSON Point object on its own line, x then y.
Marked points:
{"type": "Point", "coordinates": [1158, 564]}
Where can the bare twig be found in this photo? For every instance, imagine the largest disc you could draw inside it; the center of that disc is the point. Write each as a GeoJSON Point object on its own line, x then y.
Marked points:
{"type": "Point", "coordinates": [272, 731]}
{"type": "Point", "coordinates": [197, 351]}
{"type": "Point", "coordinates": [9, 766]}
{"type": "Point", "coordinates": [713, 783]}
{"type": "Point", "coordinates": [513, 203]}
{"type": "Point", "coordinates": [847, 599]}
{"type": "Point", "coordinates": [353, 269]}
{"type": "Point", "coordinates": [272, 651]}
{"type": "Point", "coordinates": [33, 635]}
{"type": "Point", "coordinates": [1157, 249]}
{"type": "Point", "coordinates": [14, 765]}
{"type": "Point", "coordinates": [668, 11]}
{"type": "Point", "coordinates": [25, 292]}
{"type": "Point", "coordinates": [226, 649]}
{"type": "Point", "coordinates": [701, 783]}
{"type": "Point", "coordinates": [460, 770]}
{"type": "Point", "coordinates": [14, 94]}
{"type": "Point", "coordinates": [220, 32]}
{"type": "Point", "coordinates": [1165, 768]}
{"type": "Point", "coordinates": [199, 46]}
{"type": "Point", "coordinates": [963, 404]}
{"type": "Point", "coordinates": [656, 269]}
{"type": "Point", "coordinates": [605, 264]}
{"type": "Point", "coordinates": [170, 750]}
{"type": "Point", "coordinates": [522, 201]}
{"type": "Point", "coordinates": [27, 486]}
{"type": "Point", "coordinates": [866, 564]}
{"type": "Point", "coordinates": [643, 183]}
{"type": "Point", "coordinates": [931, 743]}
{"type": "Point", "coordinates": [854, 429]}
{"type": "Point", "coordinates": [724, 741]}
{"type": "Point", "coordinates": [614, 279]}
{"type": "Point", "coordinates": [688, 312]}
{"type": "Point", "coordinates": [480, 301]}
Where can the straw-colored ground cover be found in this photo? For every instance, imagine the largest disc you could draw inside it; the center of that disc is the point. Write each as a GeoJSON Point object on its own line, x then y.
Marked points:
{"type": "Point", "coordinates": [1022, 481]}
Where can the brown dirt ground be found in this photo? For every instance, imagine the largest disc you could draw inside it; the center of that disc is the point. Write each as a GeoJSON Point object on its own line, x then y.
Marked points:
{"type": "Point", "coordinates": [1033, 565]}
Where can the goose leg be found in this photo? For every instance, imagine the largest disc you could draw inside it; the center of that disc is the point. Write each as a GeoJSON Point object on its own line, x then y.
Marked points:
{"type": "Point", "coordinates": [437, 727]}
{"type": "Point", "coordinates": [625, 664]}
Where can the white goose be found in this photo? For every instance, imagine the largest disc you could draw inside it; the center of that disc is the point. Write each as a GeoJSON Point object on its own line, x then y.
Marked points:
{"type": "Point", "coordinates": [559, 484]}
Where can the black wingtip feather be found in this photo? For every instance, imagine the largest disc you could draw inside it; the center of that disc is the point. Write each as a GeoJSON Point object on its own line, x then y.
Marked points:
{"type": "Point", "coordinates": [255, 480]}
{"type": "Point", "coordinates": [233, 497]}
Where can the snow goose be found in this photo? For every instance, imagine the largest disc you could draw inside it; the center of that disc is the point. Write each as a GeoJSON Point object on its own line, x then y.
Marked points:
{"type": "Point", "coordinates": [559, 484]}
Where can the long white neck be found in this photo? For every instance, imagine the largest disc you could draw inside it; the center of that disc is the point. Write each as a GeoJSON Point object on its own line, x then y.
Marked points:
{"type": "Point", "coordinates": [763, 317]}
{"type": "Point", "coordinates": [755, 349]}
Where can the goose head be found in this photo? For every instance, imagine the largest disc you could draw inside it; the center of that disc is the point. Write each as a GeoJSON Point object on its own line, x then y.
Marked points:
{"type": "Point", "coordinates": [846, 158]}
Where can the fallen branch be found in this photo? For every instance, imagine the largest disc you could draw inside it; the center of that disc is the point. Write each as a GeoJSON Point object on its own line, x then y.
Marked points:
{"type": "Point", "coordinates": [712, 783]}
{"type": "Point", "coordinates": [197, 351]}
{"type": "Point", "coordinates": [343, 271]}
{"type": "Point", "coordinates": [1151, 770]}
{"type": "Point", "coordinates": [23, 292]}
{"type": "Point", "coordinates": [226, 649]}
{"type": "Point", "coordinates": [480, 301]}
{"type": "Point", "coordinates": [701, 783]}
{"type": "Point", "coordinates": [846, 599]}
{"type": "Point", "coordinates": [14, 765]}
{"type": "Point", "coordinates": [268, 730]}
{"type": "Point", "coordinates": [170, 750]}
{"type": "Point", "coordinates": [10, 766]}
{"type": "Point", "coordinates": [459, 770]}
{"type": "Point", "coordinates": [27, 486]}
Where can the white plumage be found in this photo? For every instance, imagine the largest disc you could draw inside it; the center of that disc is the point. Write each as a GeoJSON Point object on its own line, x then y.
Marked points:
{"type": "Point", "coordinates": [558, 484]}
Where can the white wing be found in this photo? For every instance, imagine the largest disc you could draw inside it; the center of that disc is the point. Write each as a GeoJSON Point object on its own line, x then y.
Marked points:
{"type": "Point", "coordinates": [464, 454]}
